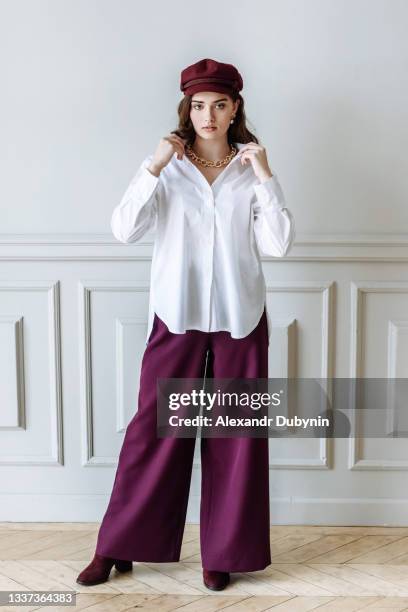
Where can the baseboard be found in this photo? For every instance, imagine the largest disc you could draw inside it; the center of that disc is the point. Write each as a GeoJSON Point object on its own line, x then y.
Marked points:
{"type": "Point", "coordinates": [284, 511]}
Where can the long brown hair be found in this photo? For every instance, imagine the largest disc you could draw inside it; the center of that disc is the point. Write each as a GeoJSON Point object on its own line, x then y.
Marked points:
{"type": "Point", "coordinates": [237, 131]}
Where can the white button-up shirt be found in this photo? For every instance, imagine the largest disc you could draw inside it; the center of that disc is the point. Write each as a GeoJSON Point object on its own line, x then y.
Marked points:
{"type": "Point", "coordinates": [206, 271]}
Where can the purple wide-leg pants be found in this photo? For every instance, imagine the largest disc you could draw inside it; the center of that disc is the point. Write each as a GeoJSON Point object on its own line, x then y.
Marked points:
{"type": "Point", "coordinates": [146, 514]}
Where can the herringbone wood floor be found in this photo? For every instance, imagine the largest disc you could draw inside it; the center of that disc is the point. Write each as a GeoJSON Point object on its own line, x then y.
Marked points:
{"type": "Point", "coordinates": [313, 568]}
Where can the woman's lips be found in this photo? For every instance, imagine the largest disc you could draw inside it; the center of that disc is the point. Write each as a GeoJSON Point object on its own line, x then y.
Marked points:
{"type": "Point", "coordinates": [210, 128]}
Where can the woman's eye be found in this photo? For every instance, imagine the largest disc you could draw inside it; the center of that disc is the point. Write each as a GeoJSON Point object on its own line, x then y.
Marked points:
{"type": "Point", "coordinates": [198, 106]}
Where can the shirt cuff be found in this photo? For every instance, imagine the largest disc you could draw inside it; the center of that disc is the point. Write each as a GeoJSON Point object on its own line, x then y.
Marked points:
{"type": "Point", "coordinates": [269, 193]}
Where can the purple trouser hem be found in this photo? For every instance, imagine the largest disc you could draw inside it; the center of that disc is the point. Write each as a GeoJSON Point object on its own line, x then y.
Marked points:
{"type": "Point", "coordinates": [216, 566]}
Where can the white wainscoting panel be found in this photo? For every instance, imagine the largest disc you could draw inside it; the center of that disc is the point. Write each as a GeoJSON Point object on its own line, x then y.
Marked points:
{"type": "Point", "coordinates": [73, 322]}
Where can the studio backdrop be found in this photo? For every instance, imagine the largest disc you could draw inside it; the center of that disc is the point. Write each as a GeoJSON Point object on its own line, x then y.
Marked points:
{"type": "Point", "coordinates": [87, 90]}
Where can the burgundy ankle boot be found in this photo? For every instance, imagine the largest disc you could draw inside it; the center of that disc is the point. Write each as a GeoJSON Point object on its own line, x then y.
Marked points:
{"type": "Point", "coordinates": [216, 581]}
{"type": "Point", "coordinates": [99, 569]}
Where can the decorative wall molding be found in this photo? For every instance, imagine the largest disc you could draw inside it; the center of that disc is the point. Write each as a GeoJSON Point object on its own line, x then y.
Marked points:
{"type": "Point", "coordinates": [288, 329]}
{"type": "Point", "coordinates": [52, 288]}
{"type": "Point", "coordinates": [359, 289]}
{"type": "Point", "coordinates": [94, 247]}
{"type": "Point", "coordinates": [89, 253]}
{"type": "Point", "coordinates": [15, 326]}
{"type": "Point", "coordinates": [397, 333]}
{"type": "Point", "coordinates": [326, 289]}
{"type": "Point", "coordinates": [85, 290]}
{"type": "Point", "coordinates": [285, 509]}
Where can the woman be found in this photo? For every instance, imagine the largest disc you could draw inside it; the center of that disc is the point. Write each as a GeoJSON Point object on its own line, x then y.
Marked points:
{"type": "Point", "coordinates": [214, 203]}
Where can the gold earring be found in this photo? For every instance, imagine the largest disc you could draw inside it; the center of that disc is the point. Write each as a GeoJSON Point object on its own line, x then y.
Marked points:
{"type": "Point", "coordinates": [232, 120]}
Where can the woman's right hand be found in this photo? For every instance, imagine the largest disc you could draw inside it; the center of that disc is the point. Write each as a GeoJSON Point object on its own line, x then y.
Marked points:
{"type": "Point", "coordinates": [168, 145]}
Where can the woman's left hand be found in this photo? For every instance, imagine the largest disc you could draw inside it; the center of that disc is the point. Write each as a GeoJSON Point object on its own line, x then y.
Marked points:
{"type": "Point", "coordinates": [256, 155]}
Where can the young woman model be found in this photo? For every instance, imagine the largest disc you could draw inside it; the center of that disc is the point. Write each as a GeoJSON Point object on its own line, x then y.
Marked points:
{"type": "Point", "coordinates": [215, 205]}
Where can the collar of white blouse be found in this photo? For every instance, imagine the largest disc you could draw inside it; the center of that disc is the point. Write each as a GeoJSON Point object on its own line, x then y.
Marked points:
{"type": "Point", "coordinates": [210, 186]}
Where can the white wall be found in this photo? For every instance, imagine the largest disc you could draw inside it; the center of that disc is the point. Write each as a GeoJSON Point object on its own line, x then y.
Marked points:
{"type": "Point", "coordinates": [87, 89]}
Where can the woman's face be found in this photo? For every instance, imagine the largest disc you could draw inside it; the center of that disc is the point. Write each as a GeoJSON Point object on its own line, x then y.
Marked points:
{"type": "Point", "coordinates": [211, 108]}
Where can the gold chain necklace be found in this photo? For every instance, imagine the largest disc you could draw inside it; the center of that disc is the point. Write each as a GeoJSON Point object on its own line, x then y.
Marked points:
{"type": "Point", "coordinates": [207, 162]}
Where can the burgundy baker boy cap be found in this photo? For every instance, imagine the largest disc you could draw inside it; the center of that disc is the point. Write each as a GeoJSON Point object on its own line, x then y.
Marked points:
{"type": "Point", "coordinates": [210, 75]}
